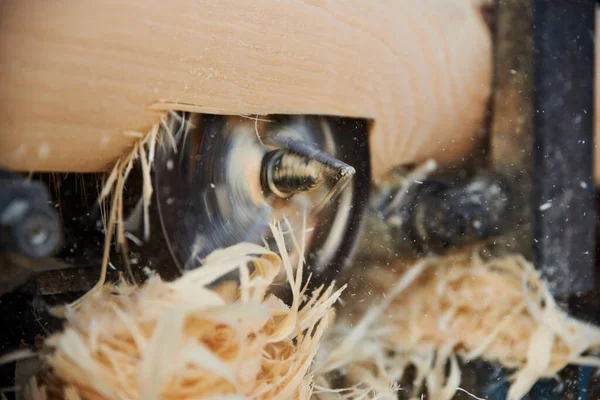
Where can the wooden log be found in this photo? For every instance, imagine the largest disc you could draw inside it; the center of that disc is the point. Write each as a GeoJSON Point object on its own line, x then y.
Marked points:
{"type": "Point", "coordinates": [76, 74]}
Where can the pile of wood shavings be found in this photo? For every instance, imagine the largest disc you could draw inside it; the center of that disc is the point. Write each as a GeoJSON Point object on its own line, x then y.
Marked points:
{"type": "Point", "coordinates": [436, 311]}
{"type": "Point", "coordinates": [184, 339]}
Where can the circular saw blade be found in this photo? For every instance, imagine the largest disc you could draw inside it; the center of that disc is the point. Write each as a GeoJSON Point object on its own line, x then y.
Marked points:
{"type": "Point", "coordinates": [210, 196]}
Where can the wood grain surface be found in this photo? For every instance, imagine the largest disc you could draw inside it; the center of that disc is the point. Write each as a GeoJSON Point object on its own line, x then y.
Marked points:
{"type": "Point", "coordinates": [76, 74]}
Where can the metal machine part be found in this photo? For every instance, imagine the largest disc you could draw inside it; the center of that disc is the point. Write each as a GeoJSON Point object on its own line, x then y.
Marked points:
{"type": "Point", "coordinates": [541, 142]}
{"type": "Point", "coordinates": [411, 218]}
{"type": "Point", "coordinates": [30, 230]}
{"type": "Point", "coordinates": [299, 166]}
{"type": "Point", "coordinates": [443, 215]}
{"type": "Point", "coordinates": [29, 226]}
{"type": "Point", "coordinates": [541, 137]}
{"type": "Point", "coordinates": [220, 181]}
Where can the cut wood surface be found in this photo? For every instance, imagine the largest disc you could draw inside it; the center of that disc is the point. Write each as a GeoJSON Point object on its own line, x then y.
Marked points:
{"type": "Point", "coordinates": [77, 74]}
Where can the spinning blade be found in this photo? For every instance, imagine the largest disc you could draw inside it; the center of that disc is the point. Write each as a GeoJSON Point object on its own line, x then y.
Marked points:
{"type": "Point", "coordinates": [219, 182]}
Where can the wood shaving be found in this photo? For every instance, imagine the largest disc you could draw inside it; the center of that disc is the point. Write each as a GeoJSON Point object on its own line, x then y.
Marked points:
{"type": "Point", "coordinates": [434, 312]}
{"type": "Point", "coordinates": [113, 188]}
{"type": "Point", "coordinates": [185, 339]}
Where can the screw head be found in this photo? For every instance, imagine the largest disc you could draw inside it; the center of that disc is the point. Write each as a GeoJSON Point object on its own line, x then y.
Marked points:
{"type": "Point", "coordinates": [35, 233]}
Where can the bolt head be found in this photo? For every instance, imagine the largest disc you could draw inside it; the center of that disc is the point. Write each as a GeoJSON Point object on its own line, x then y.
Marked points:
{"type": "Point", "coordinates": [36, 234]}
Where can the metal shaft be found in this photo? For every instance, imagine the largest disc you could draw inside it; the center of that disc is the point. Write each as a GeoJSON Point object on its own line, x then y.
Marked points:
{"type": "Point", "coordinates": [298, 167]}
{"type": "Point", "coordinates": [285, 173]}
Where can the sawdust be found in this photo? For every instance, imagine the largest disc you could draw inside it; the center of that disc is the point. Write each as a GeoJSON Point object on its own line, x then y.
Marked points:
{"type": "Point", "coordinates": [185, 339]}
{"type": "Point", "coordinates": [435, 312]}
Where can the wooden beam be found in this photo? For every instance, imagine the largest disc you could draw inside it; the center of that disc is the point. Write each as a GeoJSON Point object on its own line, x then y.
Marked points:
{"type": "Point", "coordinates": [75, 74]}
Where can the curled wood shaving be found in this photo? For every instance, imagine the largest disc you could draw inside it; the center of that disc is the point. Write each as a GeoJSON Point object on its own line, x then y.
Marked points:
{"type": "Point", "coordinates": [144, 150]}
{"type": "Point", "coordinates": [187, 339]}
{"type": "Point", "coordinates": [431, 313]}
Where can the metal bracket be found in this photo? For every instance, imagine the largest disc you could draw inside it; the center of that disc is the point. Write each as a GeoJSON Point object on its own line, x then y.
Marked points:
{"type": "Point", "coordinates": [542, 134]}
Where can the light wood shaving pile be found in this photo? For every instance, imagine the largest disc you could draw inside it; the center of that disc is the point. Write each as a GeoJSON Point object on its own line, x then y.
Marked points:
{"type": "Point", "coordinates": [436, 311]}
{"type": "Point", "coordinates": [186, 340]}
